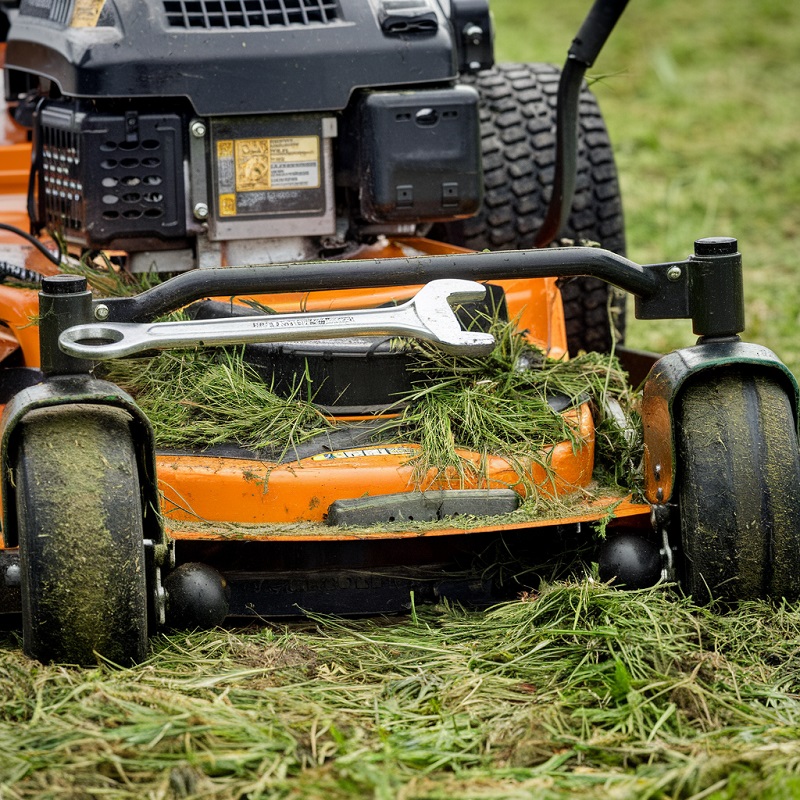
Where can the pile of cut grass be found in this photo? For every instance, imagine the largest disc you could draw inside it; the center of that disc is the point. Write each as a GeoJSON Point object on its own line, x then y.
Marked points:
{"type": "Point", "coordinates": [197, 399]}
{"type": "Point", "coordinates": [507, 404]}
{"type": "Point", "coordinates": [578, 691]}
{"type": "Point", "coordinates": [496, 405]}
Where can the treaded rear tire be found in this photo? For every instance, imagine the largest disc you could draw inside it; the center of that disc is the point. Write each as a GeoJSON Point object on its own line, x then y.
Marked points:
{"type": "Point", "coordinates": [79, 517]}
{"type": "Point", "coordinates": [739, 489]}
{"type": "Point", "coordinates": [518, 114]}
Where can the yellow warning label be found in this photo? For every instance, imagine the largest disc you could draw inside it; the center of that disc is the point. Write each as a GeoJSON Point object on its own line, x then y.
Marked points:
{"type": "Point", "coordinates": [367, 451]}
{"type": "Point", "coordinates": [86, 13]}
{"type": "Point", "coordinates": [268, 164]}
{"type": "Point", "coordinates": [225, 148]}
{"type": "Point", "coordinates": [227, 205]}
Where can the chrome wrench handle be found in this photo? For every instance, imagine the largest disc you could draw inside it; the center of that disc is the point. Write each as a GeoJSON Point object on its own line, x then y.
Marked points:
{"type": "Point", "coordinates": [428, 316]}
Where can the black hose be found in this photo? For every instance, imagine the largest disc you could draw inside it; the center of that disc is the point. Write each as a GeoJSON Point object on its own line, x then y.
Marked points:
{"type": "Point", "coordinates": [585, 48]}
{"type": "Point", "coordinates": [569, 90]}
{"type": "Point", "coordinates": [596, 29]}
{"type": "Point", "coordinates": [52, 257]}
{"type": "Point", "coordinates": [23, 274]}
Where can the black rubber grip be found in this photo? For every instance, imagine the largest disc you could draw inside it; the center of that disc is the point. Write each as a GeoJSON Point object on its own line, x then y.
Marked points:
{"type": "Point", "coordinates": [596, 29]}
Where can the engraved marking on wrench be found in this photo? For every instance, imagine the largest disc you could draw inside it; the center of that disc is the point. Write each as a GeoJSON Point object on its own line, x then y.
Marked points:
{"type": "Point", "coordinates": [310, 322]}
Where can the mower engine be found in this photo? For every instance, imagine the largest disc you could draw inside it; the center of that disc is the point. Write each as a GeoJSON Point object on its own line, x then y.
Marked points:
{"type": "Point", "coordinates": [204, 133]}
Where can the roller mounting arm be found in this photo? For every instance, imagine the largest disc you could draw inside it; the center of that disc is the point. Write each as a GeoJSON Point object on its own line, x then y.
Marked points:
{"type": "Point", "coordinates": [706, 287]}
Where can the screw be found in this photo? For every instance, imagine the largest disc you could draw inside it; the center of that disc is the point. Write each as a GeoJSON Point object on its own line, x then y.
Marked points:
{"type": "Point", "coordinates": [101, 312]}
{"type": "Point", "coordinates": [13, 576]}
{"type": "Point", "coordinates": [473, 34]}
{"type": "Point", "coordinates": [201, 211]}
{"type": "Point", "coordinates": [674, 273]}
{"type": "Point", "coordinates": [198, 129]}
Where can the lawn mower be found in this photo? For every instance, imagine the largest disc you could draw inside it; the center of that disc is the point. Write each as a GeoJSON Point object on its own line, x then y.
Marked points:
{"type": "Point", "coordinates": [317, 194]}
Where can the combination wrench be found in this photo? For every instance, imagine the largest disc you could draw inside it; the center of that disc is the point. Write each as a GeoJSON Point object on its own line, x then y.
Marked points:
{"type": "Point", "coordinates": [428, 316]}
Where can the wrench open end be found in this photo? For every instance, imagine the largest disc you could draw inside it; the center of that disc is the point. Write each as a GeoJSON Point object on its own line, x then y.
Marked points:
{"type": "Point", "coordinates": [434, 307]}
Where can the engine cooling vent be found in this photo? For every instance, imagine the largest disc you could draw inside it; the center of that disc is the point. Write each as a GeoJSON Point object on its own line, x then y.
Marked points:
{"type": "Point", "coordinates": [54, 10]}
{"type": "Point", "coordinates": [106, 178]}
{"type": "Point", "coordinates": [249, 13]}
{"type": "Point", "coordinates": [62, 183]}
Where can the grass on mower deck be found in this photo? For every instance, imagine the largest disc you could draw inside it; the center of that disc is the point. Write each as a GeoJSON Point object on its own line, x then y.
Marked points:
{"type": "Point", "coordinates": [577, 691]}
{"type": "Point", "coordinates": [490, 406]}
{"type": "Point", "coordinates": [200, 398]}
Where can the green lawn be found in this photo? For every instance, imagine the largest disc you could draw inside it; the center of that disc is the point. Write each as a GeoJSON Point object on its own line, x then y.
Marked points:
{"type": "Point", "coordinates": [702, 100]}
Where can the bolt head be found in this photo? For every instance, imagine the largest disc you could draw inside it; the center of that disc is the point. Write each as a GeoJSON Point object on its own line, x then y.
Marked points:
{"type": "Point", "coordinates": [13, 577]}
{"type": "Point", "coordinates": [473, 34]}
{"type": "Point", "coordinates": [198, 129]}
{"type": "Point", "coordinates": [674, 273]}
{"type": "Point", "coordinates": [201, 211]}
{"type": "Point", "coordinates": [101, 312]}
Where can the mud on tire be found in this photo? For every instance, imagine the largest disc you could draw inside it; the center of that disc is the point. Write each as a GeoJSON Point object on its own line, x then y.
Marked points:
{"type": "Point", "coordinates": [738, 489]}
{"type": "Point", "coordinates": [79, 518]}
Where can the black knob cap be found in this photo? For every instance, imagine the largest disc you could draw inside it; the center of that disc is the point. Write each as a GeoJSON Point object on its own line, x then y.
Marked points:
{"type": "Point", "coordinates": [64, 284]}
{"type": "Point", "coordinates": [716, 246]}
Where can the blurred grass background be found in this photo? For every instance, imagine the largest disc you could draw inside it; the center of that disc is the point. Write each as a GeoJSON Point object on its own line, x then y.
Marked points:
{"type": "Point", "coordinates": [702, 100]}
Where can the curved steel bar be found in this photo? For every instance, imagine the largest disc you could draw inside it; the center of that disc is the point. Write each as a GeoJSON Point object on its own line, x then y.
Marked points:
{"type": "Point", "coordinates": [325, 275]}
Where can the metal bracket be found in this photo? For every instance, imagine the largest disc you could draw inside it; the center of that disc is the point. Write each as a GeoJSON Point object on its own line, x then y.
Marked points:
{"type": "Point", "coordinates": [706, 288]}
{"type": "Point", "coordinates": [660, 517]}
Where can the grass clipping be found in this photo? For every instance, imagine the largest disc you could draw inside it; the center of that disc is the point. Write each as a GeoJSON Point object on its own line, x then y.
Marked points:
{"type": "Point", "coordinates": [577, 691]}
{"type": "Point", "coordinates": [202, 398]}
{"type": "Point", "coordinates": [496, 405]}
{"type": "Point", "coordinates": [501, 406]}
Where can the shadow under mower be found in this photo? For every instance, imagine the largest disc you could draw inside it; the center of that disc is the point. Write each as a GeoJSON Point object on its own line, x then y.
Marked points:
{"type": "Point", "coordinates": [108, 534]}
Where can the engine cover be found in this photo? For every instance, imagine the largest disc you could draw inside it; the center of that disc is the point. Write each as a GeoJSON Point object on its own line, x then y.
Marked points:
{"type": "Point", "coordinates": [211, 132]}
{"type": "Point", "coordinates": [229, 56]}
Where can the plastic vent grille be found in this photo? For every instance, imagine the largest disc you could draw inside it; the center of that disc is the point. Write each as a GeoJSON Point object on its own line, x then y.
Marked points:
{"type": "Point", "coordinates": [249, 13]}
{"type": "Point", "coordinates": [132, 162]}
{"type": "Point", "coordinates": [63, 190]}
{"type": "Point", "coordinates": [133, 181]}
{"type": "Point", "coordinates": [54, 10]}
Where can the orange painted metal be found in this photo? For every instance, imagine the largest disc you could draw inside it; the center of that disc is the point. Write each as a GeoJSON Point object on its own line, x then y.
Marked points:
{"type": "Point", "coordinates": [534, 304]}
{"type": "Point", "coordinates": [624, 510]}
{"type": "Point", "coordinates": [18, 310]}
{"type": "Point", "coordinates": [15, 156]}
{"type": "Point", "coordinates": [8, 343]}
{"type": "Point", "coordinates": [15, 166]}
{"type": "Point", "coordinates": [216, 489]}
